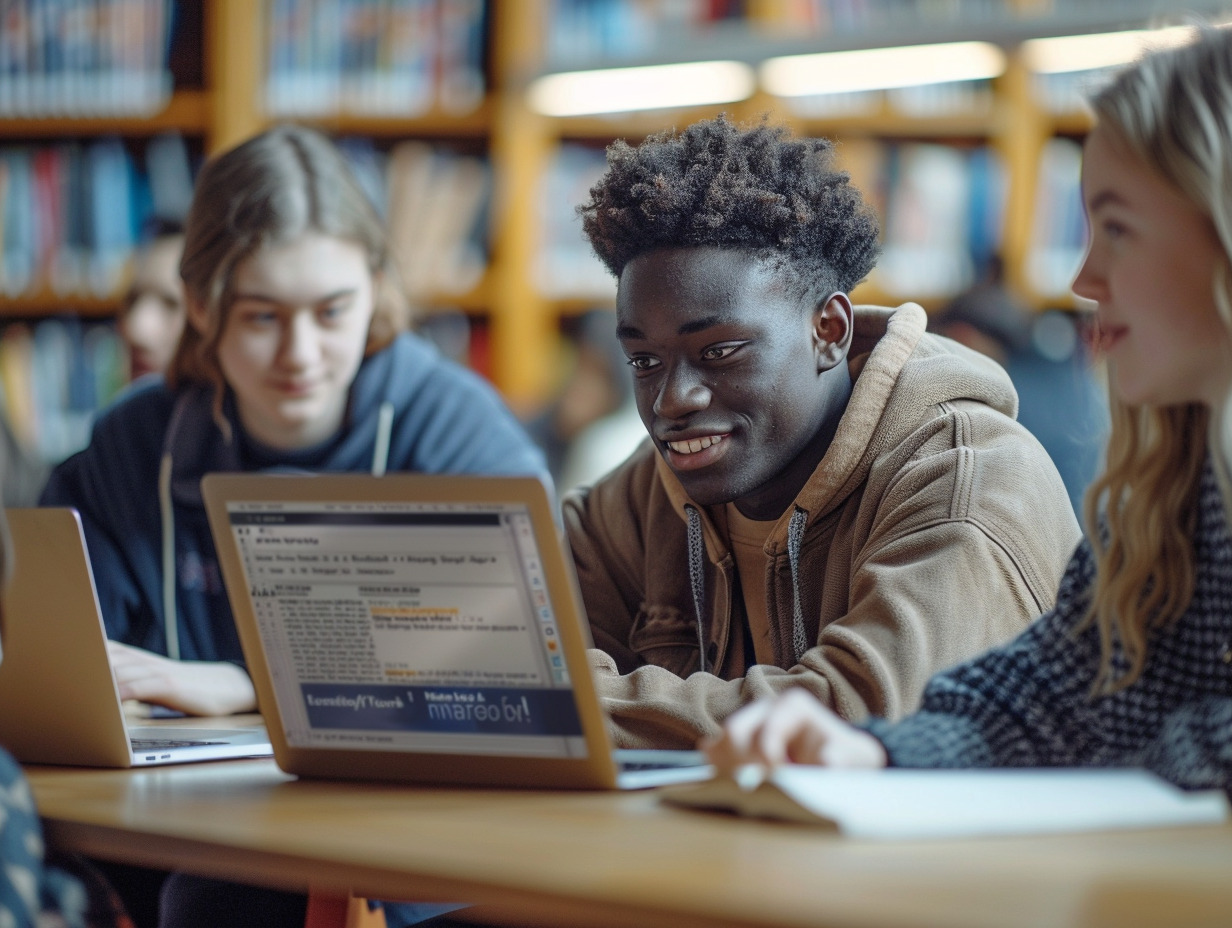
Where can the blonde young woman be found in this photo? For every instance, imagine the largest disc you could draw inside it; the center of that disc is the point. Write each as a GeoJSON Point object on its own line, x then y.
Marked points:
{"type": "Point", "coordinates": [1134, 665]}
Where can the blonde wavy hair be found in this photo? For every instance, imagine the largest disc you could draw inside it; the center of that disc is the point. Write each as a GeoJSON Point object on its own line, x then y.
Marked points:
{"type": "Point", "coordinates": [273, 188]}
{"type": "Point", "coordinates": [1173, 111]}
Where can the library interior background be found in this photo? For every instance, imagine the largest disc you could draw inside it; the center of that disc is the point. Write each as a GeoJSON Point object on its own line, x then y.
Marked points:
{"type": "Point", "coordinates": [478, 126]}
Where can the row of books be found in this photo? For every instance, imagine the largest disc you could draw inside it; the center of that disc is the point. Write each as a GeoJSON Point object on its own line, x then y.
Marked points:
{"type": "Point", "coordinates": [71, 213]}
{"type": "Point", "coordinates": [565, 264]}
{"type": "Point", "coordinates": [1068, 91]}
{"type": "Point", "coordinates": [942, 209]}
{"type": "Point", "coordinates": [399, 57]}
{"type": "Point", "coordinates": [820, 17]}
{"type": "Point", "coordinates": [581, 31]}
{"type": "Point", "coordinates": [585, 30]}
{"type": "Point", "coordinates": [1059, 229]}
{"type": "Point", "coordinates": [84, 57]}
{"type": "Point", "coordinates": [55, 376]}
{"type": "Point", "coordinates": [435, 203]}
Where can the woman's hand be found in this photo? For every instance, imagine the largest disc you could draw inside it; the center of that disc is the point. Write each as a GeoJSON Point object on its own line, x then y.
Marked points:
{"type": "Point", "coordinates": [791, 728]}
{"type": "Point", "coordinates": [192, 687]}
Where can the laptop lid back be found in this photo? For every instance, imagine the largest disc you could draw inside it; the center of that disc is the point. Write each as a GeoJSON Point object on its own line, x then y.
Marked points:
{"type": "Point", "coordinates": [58, 698]}
{"type": "Point", "coordinates": [411, 627]}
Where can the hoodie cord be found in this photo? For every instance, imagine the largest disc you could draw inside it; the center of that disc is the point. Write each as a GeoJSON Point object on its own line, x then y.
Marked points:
{"type": "Point", "coordinates": [697, 580]}
{"type": "Point", "coordinates": [380, 450]}
{"type": "Point", "coordinates": [795, 534]}
{"type": "Point", "coordinates": [171, 627]}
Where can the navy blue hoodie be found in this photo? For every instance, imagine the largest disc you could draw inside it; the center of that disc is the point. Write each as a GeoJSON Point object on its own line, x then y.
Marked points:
{"type": "Point", "coordinates": [409, 410]}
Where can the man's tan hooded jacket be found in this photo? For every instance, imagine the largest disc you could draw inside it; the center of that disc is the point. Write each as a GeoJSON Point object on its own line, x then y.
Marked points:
{"type": "Point", "coordinates": [934, 527]}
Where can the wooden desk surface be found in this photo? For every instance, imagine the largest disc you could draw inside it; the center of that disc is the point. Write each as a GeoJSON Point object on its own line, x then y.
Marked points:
{"type": "Point", "coordinates": [549, 858]}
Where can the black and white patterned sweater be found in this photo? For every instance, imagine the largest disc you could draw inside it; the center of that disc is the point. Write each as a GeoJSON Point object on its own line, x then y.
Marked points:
{"type": "Point", "coordinates": [1027, 704]}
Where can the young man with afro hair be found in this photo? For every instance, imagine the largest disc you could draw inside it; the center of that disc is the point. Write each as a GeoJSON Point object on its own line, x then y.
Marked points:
{"type": "Point", "coordinates": [830, 497]}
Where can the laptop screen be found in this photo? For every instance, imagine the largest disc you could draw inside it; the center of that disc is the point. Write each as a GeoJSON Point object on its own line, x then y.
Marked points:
{"type": "Point", "coordinates": [408, 626]}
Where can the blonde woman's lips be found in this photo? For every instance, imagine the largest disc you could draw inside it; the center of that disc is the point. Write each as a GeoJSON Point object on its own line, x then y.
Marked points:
{"type": "Point", "coordinates": [1110, 336]}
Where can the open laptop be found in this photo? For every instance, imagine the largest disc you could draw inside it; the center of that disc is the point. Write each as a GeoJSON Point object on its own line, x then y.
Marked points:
{"type": "Point", "coordinates": [422, 628]}
{"type": "Point", "coordinates": [58, 698]}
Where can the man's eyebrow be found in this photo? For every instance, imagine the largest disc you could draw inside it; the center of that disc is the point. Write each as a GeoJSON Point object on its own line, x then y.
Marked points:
{"type": "Point", "coordinates": [628, 332]}
{"type": "Point", "coordinates": [698, 325]}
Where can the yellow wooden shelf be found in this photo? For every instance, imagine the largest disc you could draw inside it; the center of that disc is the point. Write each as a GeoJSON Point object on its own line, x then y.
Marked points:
{"type": "Point", "coordinates": [567, 306]}
{"type": "Point", "coordinates": [1076, 123]}
{"type": "Point", "coordinates": [477, 299]}
{"type": "Point", "coordinates": [633, 126]}
{"type": "Point", "coordinates": [45, 303]}
{"type": "Point", "coordinates": [188, 111]}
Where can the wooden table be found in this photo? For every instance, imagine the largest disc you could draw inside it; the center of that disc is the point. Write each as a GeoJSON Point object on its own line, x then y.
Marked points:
{"type": "Point", "coordinates": [607, 859]}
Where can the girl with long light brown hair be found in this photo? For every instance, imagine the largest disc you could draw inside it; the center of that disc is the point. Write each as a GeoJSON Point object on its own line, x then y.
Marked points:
{"type": "Point", "coordinates": [1134, 665]}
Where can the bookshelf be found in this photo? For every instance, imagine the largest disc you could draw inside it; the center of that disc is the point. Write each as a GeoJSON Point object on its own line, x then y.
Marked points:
{"type": "Point", "coordinates": [1007, 122]}
{"type": "Point", "coordinates": [516, 306]}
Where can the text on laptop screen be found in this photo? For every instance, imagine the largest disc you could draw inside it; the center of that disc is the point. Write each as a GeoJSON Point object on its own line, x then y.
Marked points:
{"type": "Point", "coordinates": [420, 626]}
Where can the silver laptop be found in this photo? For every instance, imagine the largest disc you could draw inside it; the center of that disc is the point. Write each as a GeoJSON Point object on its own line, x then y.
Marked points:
{"type": "Point", "coordinates": [423, 628]}
{"type": "Point", "coordinates": [58, 698]}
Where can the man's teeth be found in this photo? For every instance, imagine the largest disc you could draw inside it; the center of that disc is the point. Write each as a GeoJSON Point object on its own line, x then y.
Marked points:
{"type": "Point", "coordinates": [694, 445]}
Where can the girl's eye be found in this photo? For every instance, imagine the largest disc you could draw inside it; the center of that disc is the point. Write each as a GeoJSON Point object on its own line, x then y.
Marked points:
{"type": "Point", "coordinates": [718, 352]}
{"type": "Point", "coordinates": [257, 317]}
{"type": "Point", "coordinates": [1113, 229]}
{"type": "Point", "coordinates": [333, 312]}
{"type": "Point", "coordinates": [643, 363]}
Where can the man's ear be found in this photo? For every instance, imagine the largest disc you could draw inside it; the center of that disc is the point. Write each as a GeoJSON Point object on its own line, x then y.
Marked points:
{"type": "Point", "coordinates": [832, 330]}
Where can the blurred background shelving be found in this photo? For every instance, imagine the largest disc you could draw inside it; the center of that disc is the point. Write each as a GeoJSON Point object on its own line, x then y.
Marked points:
{"type": "Point", "coordinates": [429, 100]}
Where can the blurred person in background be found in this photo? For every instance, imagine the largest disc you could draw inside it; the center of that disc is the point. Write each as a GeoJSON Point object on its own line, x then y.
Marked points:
{"type": "Point", "coordinates": [23, 472]}
{"type": "Point", "coordinates": [1060, 399]}
{"type": "Point", "coordinates": [591, 424]}
{"type": "Point", "coordinates": [152, 315]}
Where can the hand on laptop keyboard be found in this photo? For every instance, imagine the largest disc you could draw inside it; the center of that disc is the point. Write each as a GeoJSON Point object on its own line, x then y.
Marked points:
{"type": "Point", "coordinates": [192, 687]}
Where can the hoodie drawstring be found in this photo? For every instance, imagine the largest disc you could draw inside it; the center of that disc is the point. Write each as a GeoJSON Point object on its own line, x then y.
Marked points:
{"type": "Point", "coordinates": [697, 580]}
{"type": "Point", "coordinates": [795, 534]}
{"type": "Point", "coordinates": [384, 427]}
{"type": "Point", "coordinates": [171, 628]}
{"type": "Point", "coordinates": [171, 625]}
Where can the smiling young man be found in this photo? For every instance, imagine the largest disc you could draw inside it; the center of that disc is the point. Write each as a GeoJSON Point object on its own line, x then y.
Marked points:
{"type": "Point", "coordinates": [830, 497]}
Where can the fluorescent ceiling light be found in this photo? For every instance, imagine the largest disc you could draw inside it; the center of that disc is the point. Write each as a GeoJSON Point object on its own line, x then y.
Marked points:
{"type": "Point", "coordinates": [1103, 50]}
{"type": "Point", "coordinates": [881, 68]}
{"type": "Point", "coordinates": [576, 93]}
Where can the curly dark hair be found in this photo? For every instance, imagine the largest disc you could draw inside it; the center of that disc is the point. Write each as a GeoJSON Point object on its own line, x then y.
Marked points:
{"type": "Point", "coordinates": [719, 184]}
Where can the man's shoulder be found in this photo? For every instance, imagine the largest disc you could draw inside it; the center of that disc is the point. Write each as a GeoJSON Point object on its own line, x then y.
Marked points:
{"type": "Point", "coordinates": [972, 463]}
{"type": "Point", "coordinates": [970, 433]}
